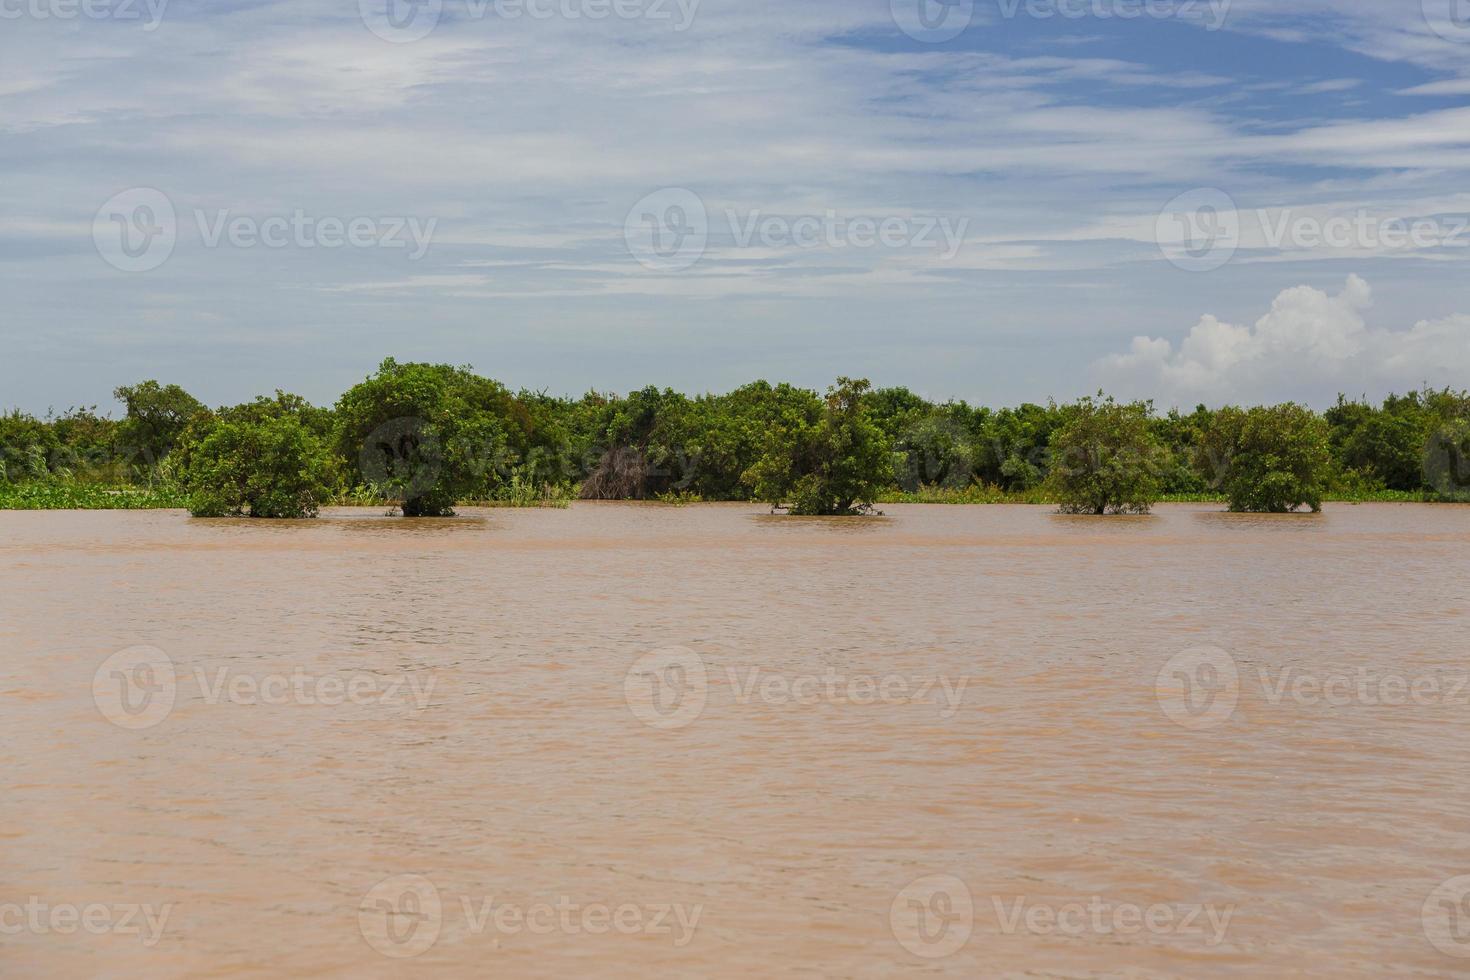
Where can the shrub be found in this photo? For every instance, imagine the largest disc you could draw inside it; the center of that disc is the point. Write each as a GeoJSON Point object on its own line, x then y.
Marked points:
{"type": "Point", "coordinates": [834, 461]}
{"type": "Point", "coordinates": [426, 435]}
{"type": "Point", "coordinates": [273, 467]}
{"type": "Point", "coordinates": [1447, 461]}
{"type": "Point", "coordinates": [1267, 460]}
{"type": "Point", "coordinates": [1105, 458]}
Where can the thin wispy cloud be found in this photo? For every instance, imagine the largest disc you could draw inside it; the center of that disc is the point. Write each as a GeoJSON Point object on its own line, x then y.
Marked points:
{"type": "Point", "coordinates": [528, 142]}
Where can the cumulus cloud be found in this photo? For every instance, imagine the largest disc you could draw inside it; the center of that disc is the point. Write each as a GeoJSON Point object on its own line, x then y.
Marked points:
{"type": "Point", "coordinates": [1310, 346]}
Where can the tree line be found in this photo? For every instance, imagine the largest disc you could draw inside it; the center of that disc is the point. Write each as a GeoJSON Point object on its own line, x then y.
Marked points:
{"type": "Point", "coordinates": [426, 437]}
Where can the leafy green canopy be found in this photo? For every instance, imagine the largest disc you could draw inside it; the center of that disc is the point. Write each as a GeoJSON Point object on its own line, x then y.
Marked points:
{"type": "Point", "coordinates": [829, 459]}
{"type": "Point", "coordinates": [1105, 458]}
{"type": "Point", "coordinates": [1268, 460]}
{"type": "Point", "coordinates": [156, 417]}
{"type": "Point", "coordinates": [429, 435]}
{"type": "Point", "coordinates": [426, 435]}
{"type": "Point", "coordinates": [269, 466]}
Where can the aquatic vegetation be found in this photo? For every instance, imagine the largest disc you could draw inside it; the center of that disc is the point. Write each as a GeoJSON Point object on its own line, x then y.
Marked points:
{"type": "Point", "coordinates": [1105, 459]}
{"type": "Point", "coordinates": [80, 496]}
{"type": "Point", "coordinates": [1268, 460]}
{"type": "Point", "coordinates": [835, 461]}
{"type": "Point", "coordinates": [427, 437]}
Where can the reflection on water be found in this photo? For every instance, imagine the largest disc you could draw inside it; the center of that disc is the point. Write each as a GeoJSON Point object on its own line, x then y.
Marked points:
{"type": "Point", "coordinates": [1301, 520]}
{"type": "Point", "coordinates": [846, 525]}
{"type": "Point", "coordinates": [956, 741]}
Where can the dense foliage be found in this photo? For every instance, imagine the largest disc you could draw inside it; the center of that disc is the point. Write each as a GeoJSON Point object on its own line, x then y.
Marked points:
{"type": "Point", "coordinates": [266, 467]}
{"type": "Point", "coordinates": [1105, 458]}
{"type": "Point", "coordinates": [425, 437]}
{"type": "Point", "coordinates": [1268, 460]}
{"type": "Point", "coordinates": [831, 459]}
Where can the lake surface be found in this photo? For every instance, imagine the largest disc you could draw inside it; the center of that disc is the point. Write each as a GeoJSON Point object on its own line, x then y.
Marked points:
{"type": "Point", "coordinates": [625, 740]}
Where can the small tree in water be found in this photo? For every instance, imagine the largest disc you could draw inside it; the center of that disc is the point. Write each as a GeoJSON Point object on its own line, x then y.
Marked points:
{"type": "Point", "coordinates": [1105, 458]}
{"type": "Point", "coordinates": [1268, 460]}
{"type": "Point", "coordinates": [425, 435]}
{"type": "Point", "coordinates": [269, 467]}
{"type": "Point", "coordinates": [833, 461]}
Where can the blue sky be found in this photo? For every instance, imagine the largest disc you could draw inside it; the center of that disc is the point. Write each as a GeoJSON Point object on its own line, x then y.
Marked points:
{"type": "Point", "coordinates": [1145, 203]}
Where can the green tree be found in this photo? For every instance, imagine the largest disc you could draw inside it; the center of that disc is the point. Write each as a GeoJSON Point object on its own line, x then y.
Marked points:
{"type": "Point", "coordinates": [426, 436]}
{"type": "Point", "coordinates": [1268, 460]}
{"type": "Point", "coordinates": [1180, 436]}
{"type": "Point", "coordinates": [26, 445]}
{"type": "Point", "coordinates": [264, 467]}
{"type": "Point", "coordinates": [833, 459]}
{"type": "Point", "coordinates": [641, 452]}
{"type": "Point", "coordinates": [1447, 461]}
{"type": "Point", "coordinates": [1381, 447]}
{"type": "Point", "coordinates": [156, 417]}
{"type": "Point", "coordinates": [1012, 447]}
{"type": "Point", "coordinates": [1105, 458]}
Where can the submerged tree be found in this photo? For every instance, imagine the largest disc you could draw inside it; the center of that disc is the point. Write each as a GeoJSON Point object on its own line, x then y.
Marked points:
{"type": "Point", "coordinates": [831, 459]}
{"type": "Point", "coordinates": [263, 467]}
{"type": "Point", "coordinates": [425, 435]}
{"type": "Point", "coordinates": [1268, 460]}
{"type": "Point", "coordinates": [1105, 458]}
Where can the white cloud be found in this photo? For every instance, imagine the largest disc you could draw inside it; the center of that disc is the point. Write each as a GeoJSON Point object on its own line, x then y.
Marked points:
{"type": "Point", "coordinates": [1310, 346]}
{"type": "Point", "coordinates": [1452, 86]}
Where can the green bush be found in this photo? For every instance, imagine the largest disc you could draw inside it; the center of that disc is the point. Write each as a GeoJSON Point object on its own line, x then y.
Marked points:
{"type": "Point", "coordinates": [1268, 460]}
{"type": "Point", "coordinates": [426, 436]}
{"type": "Point", "coordinates": [272, 467]}
{"type": "Point", "coordinates": [1447, 462]}
{"type": "Point", "coordinates": [1105, 458]}
{"type": "Point", "coordinates": [833, 461]}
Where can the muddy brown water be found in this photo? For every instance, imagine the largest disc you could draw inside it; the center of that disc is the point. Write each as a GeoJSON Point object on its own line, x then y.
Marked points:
{"type": "Point", "coordinates": [625, 740]}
